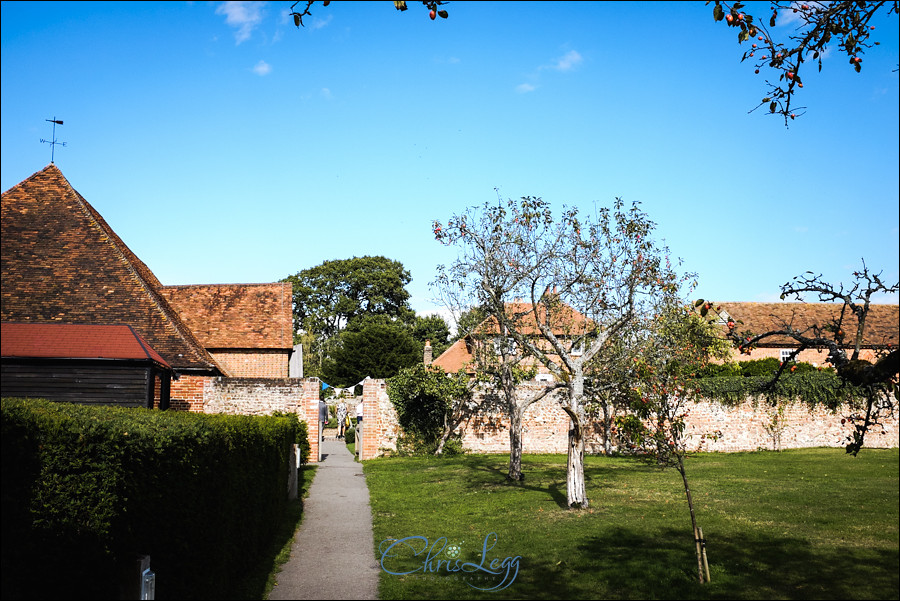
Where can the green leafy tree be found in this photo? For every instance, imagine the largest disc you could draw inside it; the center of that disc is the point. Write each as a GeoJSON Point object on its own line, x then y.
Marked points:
{"type": "Point", "coordinates": [585, 280]}
{"type": "Point", "coordinates": [816, 28]}
{"type": "Point", "coordinates": [468, 321]}
{"type": "Point", "coordinates": [430, 404]}
{"type": "Point", "coordinates": [677, 344]}
{"type": "Point", "coordinates": [432, 328]}
{"type": "Point", "coordinates": [378, 350]}
{"type": "Point", "coordinates": [345, 294]}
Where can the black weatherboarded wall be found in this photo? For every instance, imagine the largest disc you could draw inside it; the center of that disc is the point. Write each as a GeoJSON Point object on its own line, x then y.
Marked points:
{"type": "Point", "coordinates": [104, 382]}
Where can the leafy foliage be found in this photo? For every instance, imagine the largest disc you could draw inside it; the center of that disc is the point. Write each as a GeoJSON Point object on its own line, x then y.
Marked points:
{"type": "Point", "coordinates": [819, 27]}
{"type": "Point", "coordinates": [430, 404]}
{"type": "Point", "coordinates": [432, 328]}
{"type": "Point", "coordinates": [346, 294]}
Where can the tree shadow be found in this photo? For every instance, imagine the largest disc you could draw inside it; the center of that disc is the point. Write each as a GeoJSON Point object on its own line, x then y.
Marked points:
{"type": "Point", "coordinates": [497, 467]}
{"type": "Point", "coordinates": [630, 564]}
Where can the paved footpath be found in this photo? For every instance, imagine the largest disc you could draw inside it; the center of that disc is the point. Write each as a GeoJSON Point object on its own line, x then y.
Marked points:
{"type": "Point", "coordinates": [333, 552]}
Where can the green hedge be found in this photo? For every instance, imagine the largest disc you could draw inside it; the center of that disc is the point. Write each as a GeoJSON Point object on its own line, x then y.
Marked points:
{"type": "Point", "coordinates": [756, 367]}
{"type": "Point", "coordinates": [808, 384]}
{"type": "Point", "coordinates": [86, 489]}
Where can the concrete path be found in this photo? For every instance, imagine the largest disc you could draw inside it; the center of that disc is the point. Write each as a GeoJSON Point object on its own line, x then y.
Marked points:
{"type": "Point", "coordinates": [333, 552]}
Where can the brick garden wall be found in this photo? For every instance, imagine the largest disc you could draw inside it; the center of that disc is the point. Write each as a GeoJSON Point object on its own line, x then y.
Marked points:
{"type": "Point", "coordinates": [263, 396]}
{"type": "Point", "coordinates": [186, 393]}
{"type": "Point", "coordinates": [747, 427]}
{"type": "Point", "coordinates": [252, 396]}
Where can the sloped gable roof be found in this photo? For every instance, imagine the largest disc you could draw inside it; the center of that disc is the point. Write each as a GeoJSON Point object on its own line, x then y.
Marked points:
{"type": "Point", "coordinates": [62, 263]}
{"type": "Point", "coordinates": [245, 316]}
{"type": "Point", "coordinates": [75, 341]}
{"type": "Point", "coordinates": [454, 358]}
{"type": "Point", "coordinates": [882, 323]}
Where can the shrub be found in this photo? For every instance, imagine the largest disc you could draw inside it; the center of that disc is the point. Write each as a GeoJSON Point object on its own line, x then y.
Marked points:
{"type": "Point", "coordinates": [410, 445]}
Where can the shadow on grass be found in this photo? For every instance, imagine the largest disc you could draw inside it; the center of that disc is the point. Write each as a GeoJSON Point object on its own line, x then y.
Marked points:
{"type": "Point", "coordinates": [536, 476]}
{"type": "Point", "coordinates": [631, 565]}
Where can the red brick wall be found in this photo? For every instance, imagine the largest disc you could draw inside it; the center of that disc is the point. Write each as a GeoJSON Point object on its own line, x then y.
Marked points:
{"type": "Point", "coordinates": [379, 423]}
{"type": "Point", "coordinates": [187, 393]}
{"type": "Point", "coordinates": [253, 363]}
{"type": "Point", "coordinates": [816, 357]}
{"type": "Point", "coordinates": [262, 396]}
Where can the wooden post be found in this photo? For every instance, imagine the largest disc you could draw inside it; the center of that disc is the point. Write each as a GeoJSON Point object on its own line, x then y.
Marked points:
{"type": "Point", "coordinates": [703, 547]}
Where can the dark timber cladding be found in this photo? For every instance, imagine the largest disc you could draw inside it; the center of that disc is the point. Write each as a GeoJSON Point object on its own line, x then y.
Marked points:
{"type": "Point", "coordinates": [93, 364]}
{"type": "Point", "coordinates": [87, 382]}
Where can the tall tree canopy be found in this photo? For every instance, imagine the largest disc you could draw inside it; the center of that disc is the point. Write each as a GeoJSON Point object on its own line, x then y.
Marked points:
{"type": "Point", "coordinates": [378, 350]}
{"type": "Point", "coordinates": [347, 294]}
{"type": "Point", "coordinates": [587, 281]}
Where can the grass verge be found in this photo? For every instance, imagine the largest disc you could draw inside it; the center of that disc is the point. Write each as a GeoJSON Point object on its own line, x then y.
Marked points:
{"type": "Point", "coordinates": [800, 524]}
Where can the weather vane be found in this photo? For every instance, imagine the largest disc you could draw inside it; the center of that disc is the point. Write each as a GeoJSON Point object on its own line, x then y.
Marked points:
{"type": "Point", "coordinates": [53, 142]}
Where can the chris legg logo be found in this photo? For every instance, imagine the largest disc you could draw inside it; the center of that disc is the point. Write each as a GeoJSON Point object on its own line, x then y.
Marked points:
{"type": "Point", "coordinates": [399, 557]}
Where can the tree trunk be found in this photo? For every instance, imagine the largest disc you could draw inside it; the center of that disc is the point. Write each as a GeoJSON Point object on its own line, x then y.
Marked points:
{"type": "Point", "coordinates": [576, 495]}
{"type": "Point", "coordinates": [607, 426]}
{"type": "Point", "coordinates": [448, 431]}
{"type": "Point", "coordinates": [515, 445]}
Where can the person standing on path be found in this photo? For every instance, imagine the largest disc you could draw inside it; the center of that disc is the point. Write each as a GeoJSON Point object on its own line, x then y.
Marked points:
{"type": "Point", "coordinates": [341, 417]}
{"type": "Point", "coordinates": [323, 417]}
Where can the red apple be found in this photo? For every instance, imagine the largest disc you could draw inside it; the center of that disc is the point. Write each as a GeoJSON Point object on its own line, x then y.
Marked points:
{"type": "Point", "coordinates": [432, 14]}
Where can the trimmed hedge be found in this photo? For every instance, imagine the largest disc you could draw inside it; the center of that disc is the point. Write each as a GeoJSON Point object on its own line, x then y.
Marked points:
{"type": "Point", "coordinates": [87, 489]}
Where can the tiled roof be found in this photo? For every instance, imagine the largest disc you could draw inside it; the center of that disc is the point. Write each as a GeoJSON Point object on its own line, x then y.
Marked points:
{"type": "Point", "coordinates": [882, 323]}
{"type": "Point", "coordinates": [454, 358]}
{"type": "Point", "coordinates": [246, 316]}
{"type": "Point", "coordinates": [62, 263]}
{"type": "Point", "coordinates": [568, 321]}
{"type": "Point", "coordinates": [74, 341]}
{"type": "Point", "coordinates": [564, 318]}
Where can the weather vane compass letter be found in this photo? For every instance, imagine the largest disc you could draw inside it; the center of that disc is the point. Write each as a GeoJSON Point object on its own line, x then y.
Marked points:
{"type": "Point", "coordinates": [53, 142]}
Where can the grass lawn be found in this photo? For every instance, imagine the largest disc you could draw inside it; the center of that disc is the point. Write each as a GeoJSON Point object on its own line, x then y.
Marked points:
{"type": "Point", "coordinates": [800, 524]}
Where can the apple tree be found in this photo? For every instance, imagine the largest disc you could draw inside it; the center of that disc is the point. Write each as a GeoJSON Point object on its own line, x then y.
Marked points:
{"type": "Point", "coordinates": [584, 281]}
{"type": "Point", "coordinates": [820, 26]}
{"type": "Point", "coordinates": [678, 343]}
{"type": "Point", "coordinates": [498, 362]}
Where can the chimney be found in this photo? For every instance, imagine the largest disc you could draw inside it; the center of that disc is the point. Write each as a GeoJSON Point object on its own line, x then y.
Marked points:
{"type": "Point", "coordinates": [428, 353]}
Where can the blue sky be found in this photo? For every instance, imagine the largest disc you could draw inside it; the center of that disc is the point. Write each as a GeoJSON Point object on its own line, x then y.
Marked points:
{"type": "Point", "coordinates": [223, 145]}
